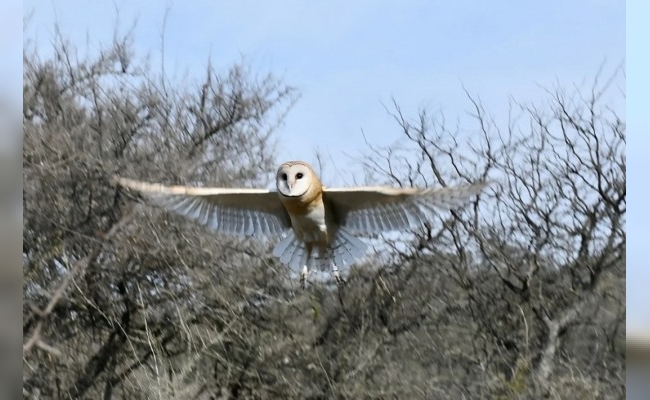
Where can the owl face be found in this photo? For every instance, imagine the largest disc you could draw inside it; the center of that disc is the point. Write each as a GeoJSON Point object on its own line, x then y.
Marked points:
{"type": "Point", "coordinates": [293, 179]}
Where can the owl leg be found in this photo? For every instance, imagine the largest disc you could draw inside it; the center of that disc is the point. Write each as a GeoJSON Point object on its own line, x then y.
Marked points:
{"type": "Point", "coordinates": [337, 275]}
{"type": "Point", "coordinates": [303, 276]}
{"type": "Point", "coordinates": [305, 269]}
{"type": "Point", "coordinates": [339, 283]}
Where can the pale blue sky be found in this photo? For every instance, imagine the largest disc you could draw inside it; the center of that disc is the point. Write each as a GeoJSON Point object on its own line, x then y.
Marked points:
{"type": "Point", "coordinates": [346, 58]}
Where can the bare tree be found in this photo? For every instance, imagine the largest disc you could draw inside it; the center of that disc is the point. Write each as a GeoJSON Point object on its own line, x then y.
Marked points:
{"type": "Point", "coordinates": [537, 265]}
{"type": "Point", "coordinates": [111, 300]}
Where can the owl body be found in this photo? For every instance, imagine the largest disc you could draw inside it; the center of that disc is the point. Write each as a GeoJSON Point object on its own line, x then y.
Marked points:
{"type": "Point", "coordinates": [318, 226]}
{"type": "Point", "coordinates": [306, 210]}
{"type": "Point", "coordinates": [311, 227]}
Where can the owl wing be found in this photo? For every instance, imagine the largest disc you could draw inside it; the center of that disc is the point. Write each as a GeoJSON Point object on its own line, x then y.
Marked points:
{"type": "Point", "coordinates": [232, 211]}
{"type": "Point", "coordinates": [375, 209]}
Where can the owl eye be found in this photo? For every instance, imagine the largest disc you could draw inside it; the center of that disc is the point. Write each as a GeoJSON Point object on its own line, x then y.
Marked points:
{"type": "Point", "coordinates": [284, 177]}
{"type": "Point", "coordinates": [299, 175]}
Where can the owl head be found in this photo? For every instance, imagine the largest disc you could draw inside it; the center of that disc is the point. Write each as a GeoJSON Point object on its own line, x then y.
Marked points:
{"type": "Point", "coordinates": [294, 178]}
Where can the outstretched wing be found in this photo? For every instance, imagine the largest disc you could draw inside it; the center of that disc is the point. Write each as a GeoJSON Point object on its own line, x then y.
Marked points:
{"type": "Point", "coordinates": [250, 212]}
{"type": "Point", "coordinates": [368, 210]}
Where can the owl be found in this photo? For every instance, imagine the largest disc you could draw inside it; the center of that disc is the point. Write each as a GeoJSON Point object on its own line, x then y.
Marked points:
{"type": "Point", "coordinates": [317, 226]}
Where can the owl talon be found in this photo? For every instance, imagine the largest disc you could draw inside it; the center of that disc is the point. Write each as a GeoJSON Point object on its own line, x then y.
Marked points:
{"type": "Point", "coordinates": [339, 281]}
{"type": "Point", "coordinates": [337, 276]}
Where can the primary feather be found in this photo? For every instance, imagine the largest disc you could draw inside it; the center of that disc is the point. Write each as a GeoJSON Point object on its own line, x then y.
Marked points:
{"type": "Point", "coordinates": [370, 210]}
{"type": "Point", "coordinates": [239, 211]}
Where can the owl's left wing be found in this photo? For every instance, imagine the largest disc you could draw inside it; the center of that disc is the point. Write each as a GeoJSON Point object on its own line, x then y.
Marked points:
{"type": "Point", "coordinates": [375, 209]}
{"type": "Point", "coordinates": [237, 211]}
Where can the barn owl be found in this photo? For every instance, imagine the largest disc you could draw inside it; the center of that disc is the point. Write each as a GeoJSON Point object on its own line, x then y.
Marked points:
{"type": "Point", "coordinates": [318, 226]}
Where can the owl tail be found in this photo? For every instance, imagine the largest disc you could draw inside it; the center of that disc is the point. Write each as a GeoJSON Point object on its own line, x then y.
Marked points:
{"type": "Point", "coordinates": [291, 251]}
{"type": "Point", "coordinates": [345, 250]}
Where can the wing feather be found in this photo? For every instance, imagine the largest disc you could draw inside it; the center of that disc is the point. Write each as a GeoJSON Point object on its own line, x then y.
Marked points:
{"type": "Point", "coordinates": [375, 209]}
{"type": "Point", "coordinates": [236, 211]}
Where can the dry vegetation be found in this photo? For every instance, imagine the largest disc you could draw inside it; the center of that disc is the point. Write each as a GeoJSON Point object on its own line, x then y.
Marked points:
{"type": "Point", "coordinates": [520, 295]}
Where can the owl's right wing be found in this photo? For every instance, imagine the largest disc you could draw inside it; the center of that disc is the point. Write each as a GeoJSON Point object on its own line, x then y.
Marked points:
{"type": "Point", "coordinates": [376, 209]}
{"type": "Point", "coordinates": [238, 211]}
